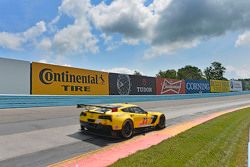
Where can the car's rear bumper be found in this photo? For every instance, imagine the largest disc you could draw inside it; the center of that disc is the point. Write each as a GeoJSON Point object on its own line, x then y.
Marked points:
{"type": "Point", "coordinates": [98, 129]}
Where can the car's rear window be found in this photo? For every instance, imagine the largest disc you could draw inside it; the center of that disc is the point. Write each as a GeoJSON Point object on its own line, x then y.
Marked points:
{"type": "Point", "coordinates": [106, 109]}
{"type": "Point", "coordinates": [113, 106]}
{"type": "Point", "coordinates": [102, 109]}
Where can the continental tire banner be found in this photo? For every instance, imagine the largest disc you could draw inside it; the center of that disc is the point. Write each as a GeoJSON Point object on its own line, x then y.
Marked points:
{"type": "Point", "coordinates": [197, 86]}
{"type": "Point", "coordinates": [122, 84]}
{"type": "Point", "coordinates": [219, 86]}
{"type": "Point", "coordinates": [169, 86]}
{"type": "Point", "coordinates": [59, 80]}
{"type": "Point", "coordinates": [235, 86]}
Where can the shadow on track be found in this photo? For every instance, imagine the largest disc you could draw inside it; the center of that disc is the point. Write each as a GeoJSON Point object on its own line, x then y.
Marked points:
{"type": "Point", "coordinates": [102, 140]}
{"type": "Point", "coordinates": [98, 140]}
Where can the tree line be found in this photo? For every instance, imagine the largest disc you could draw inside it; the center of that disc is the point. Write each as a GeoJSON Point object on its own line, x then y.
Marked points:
{"type": "Point", "coordinates": [215, 71]}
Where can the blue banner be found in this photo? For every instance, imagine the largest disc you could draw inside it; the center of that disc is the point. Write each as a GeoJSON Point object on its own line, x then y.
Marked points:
{"type": "Point", "coordinates": [197, 86]}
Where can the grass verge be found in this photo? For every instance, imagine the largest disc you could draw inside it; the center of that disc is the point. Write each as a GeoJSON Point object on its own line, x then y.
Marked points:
{"type": "Point", "coordinates": [221, 142]}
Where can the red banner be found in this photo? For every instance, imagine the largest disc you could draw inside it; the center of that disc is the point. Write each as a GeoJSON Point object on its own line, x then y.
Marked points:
{"type": "Point", "coordinates": [170, 86]}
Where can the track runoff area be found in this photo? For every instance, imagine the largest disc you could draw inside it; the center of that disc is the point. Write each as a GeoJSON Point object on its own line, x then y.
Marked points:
{"type": "Point", "coordinates": [47, 135]}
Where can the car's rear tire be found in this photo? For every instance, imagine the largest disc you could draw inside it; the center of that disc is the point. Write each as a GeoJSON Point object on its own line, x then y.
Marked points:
{"type": "Point", "coordinates": [127, 129]}
{"type": "Point", "coordinates": [162, 121]}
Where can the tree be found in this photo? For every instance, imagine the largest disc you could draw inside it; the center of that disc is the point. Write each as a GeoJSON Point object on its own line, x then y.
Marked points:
{"type": "Point", "coordinates": [215, 71]}
{"type": "Point", "coordinates": [171, 74]}
{"type": "Point", "coordinates": [137, 73]}
{"type": "Point", "coordinates": [190, 72]}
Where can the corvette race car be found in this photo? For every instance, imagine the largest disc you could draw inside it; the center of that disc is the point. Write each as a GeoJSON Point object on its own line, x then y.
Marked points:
{"type": "Point", "coordinates": [118, 120]}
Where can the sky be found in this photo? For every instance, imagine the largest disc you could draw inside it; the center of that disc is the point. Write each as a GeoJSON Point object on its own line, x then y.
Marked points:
{"type": "Point", "coordinates": [123, 36]}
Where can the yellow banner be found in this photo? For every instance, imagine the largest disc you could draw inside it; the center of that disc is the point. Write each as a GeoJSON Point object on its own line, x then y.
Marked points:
{"type": "Point", "coordinates": [59, 80]}
{"type": "Point", "coordinates": [219, 86]}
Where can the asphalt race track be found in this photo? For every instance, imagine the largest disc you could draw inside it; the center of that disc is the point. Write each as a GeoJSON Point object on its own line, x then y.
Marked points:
{"type": "Point", "coordinates": [42, 136]}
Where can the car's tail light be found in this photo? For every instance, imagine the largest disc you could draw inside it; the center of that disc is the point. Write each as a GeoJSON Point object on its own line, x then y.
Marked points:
{"type": "Point", "coordinates": [114, 109]}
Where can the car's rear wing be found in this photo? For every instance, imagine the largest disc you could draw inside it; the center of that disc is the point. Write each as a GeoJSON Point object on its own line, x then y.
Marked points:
{"type": "Point", "coordinates": [88, 106]}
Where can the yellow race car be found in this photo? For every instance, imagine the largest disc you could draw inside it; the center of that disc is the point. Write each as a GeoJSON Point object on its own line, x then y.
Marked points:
{"type": "Point", "coordinates": [118, 120]}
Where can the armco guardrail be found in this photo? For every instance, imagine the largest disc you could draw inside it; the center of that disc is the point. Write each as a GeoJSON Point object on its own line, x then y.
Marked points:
{"type": "Point", "coordinates": [7, 101]}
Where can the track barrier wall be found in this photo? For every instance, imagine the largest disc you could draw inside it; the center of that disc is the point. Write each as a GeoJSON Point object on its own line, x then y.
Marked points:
{"type": "Point", "coordinates": [46, 79]}
{"type": "Point", "coordinates": [25, 101]}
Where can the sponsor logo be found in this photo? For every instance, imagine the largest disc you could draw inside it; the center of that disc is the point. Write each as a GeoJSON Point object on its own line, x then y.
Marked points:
{"type": "Point", "coordinates": [58, 80]}
{"type": "Point", "coordinates": [219, 86]}
{"type": "Point", "coordinates": [47, 77]}
{"type": "Point", "coordinates": [169, 86]}
{"type": "Point", "coordinates": [119, 115]}
{"type": "Point", "coordinates": [123, 84]}
{"type": "Point", "coordinates": [144, 89]}
{"type": "Point", "coordinates": [236, 85]}
{"type": "Point", "coordinates": [198, 86]}
{"type": "Point", "coordinates": [76, 88]}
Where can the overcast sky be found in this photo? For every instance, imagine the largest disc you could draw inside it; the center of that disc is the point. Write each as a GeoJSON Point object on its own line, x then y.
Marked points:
{"type": "Point", "coordinates": [127, 35]}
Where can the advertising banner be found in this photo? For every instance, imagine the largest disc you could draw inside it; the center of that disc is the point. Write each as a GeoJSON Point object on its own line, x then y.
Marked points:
{"type": "Point", "coordinates": [59, 80]}
{"type": "Point", "coordinates": [15, 76]}
{"type": "Point", "coordinates": [246, 84]}
{"type": "Point", "coordinates": [197, 86]}
{"type": "Point", "coordinates": [235, 86]}
{"type": "Point", "coordinates": [123, 84]}
{"type": "Point", "coordinates": [169, 86]}
{"type": "Point", "coordinates": [219, 86]}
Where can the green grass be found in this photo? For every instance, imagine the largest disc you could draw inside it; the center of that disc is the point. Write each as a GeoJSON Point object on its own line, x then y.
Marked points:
{"type": "Point", "coordinates": [221, 142]}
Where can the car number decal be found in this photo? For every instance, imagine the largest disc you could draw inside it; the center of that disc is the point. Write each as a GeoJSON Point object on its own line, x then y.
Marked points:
{"type": "Point", "coordinates": [145, 120]}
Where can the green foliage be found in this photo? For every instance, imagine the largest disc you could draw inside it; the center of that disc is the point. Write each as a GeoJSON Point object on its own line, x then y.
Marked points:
{"type": "Point", "coordinates": [187, 72]}
{"type": "Point", "coordinates": [172, 74]}
{"type": "Point", "coordinates": [215, 71]}
{"type": "Point", "coordinates": [190, 72]}
{"type": "Point", "coordinates": [137, 73]}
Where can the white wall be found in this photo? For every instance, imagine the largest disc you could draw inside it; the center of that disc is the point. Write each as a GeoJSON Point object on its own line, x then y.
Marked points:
{"type": "Point", "coordinates": [14, 76]}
